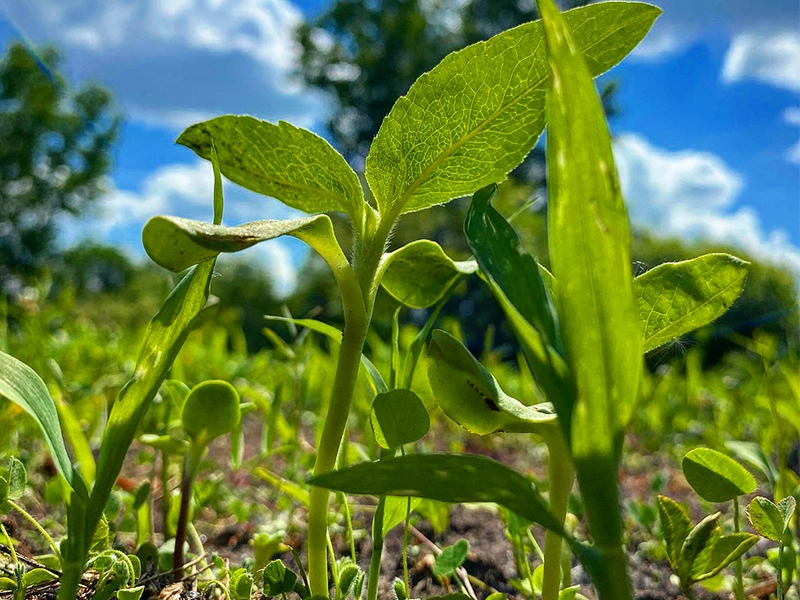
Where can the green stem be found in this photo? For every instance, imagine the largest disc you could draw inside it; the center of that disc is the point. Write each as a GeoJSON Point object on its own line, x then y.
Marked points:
{"type": "Point", "coordinates": [405, 548]}
{"type": "Point", "coordinates": [10, 543]}
{"type": "Point", "coordinates": [39, 528]}
{"type": "Point", "coordinates": [780, 570]}
{"type": "Point", "coordinates": [561, 477]}
{"type": "Point", "coordinates": [377, 551]}
{"type": "Point", "coordinates": [166, 496]}
{"type": "Point", "coordinates": [355, 333]}
{"type": "Point", "coordinates": [190, 469]}
{"type": "Point", "coordinates": [739, 563]}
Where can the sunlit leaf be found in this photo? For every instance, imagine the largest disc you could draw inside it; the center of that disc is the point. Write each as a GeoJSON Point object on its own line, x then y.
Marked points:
{"type": "Point", "coordinates": [676, 298]}
{"type": "Point", "coordinates": [419, 274]}
{"type": "Point", "coordinates": [768, 519]}
{"type": "Point", "coordinates": [398, 417]}
{"type": "Point", "coordinates": [21, 385]}
{"type": "Point", "coordinates": [394, 511]}
{"type": "Point", "coordinates": [297, 167]}
{"type": "Point", "coordinates": [589, 238]}
{"type": "Point", "coordinates": [447, 478]}
{"type": "Point", "coordinates": [675, 527]}
{"type": "Point", "coordinates": [477, 114]}
{"type": "Point", "coordinates": [716, 477]}
{"type": "Point", "coordinates": [211, 410]}
{"type": "Point", "coordinates": [471, 396]}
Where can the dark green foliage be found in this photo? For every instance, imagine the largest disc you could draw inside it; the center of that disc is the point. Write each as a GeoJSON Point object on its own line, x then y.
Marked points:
{"type": "Point", "coordinates": [54, 153]}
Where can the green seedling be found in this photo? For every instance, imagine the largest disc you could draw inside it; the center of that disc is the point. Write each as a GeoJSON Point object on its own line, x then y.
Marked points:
{"type": "Point", "coordinates": [25, 582]}
{"type": "Point", "coordinates": [211, 410]}
{"type": "Point", "coordinates": [584, 328]}
{"type": "Point", "coordinates": [717, 478]}
{"type": "Point", "coordinates": [700, 552]}
{"type": "Point", "coordinates": [409, 167]}
{"type": "Point", "coordinates": [771, 521]}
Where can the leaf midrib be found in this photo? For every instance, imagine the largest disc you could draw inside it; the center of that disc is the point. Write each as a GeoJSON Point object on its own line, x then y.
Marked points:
{"type": "Point", "coordinates": [408, 194]}
{"type": "Point", "coordinates": [676, 322]}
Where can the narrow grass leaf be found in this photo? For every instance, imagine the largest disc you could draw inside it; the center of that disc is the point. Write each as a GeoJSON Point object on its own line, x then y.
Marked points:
{"type": "Point", "coordinates": [716, 477]}
{"type": "Point", "coordinates": [297, 167]}
{"type": "Point", "coordinates": [676, 298]}
{"type": "Point", "coordinates": [77, 440]}
{"type": "Point", "coordinates": [375, 377]}
{"type": "Point", "coordinates": [477, 114]}
{"type": "Point", "coordinates": [163, 340]}
{"type": "Point", "coordinates": [467, 393]}
{"type": "Point", "coordinates": [291, 489]}
{"type": "Point", "coordinates": [21, 385]}
{"type": "Point", "coordinates": [419, 274]}
{"type": "Point", "coordinates": [590, 253]}
{"type": "Point", "coordinates": [447, 478]}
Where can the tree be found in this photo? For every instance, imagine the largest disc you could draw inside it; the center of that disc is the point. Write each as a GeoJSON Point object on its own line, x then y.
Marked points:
{"type": "Point", "coordinates": [54, 154]}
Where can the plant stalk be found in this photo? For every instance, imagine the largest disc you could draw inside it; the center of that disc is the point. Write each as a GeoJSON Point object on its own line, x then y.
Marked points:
{"type": "Point", "coordinates": [377, 551]}
{"type": "Point", "coordinates": [190, 470]}
{"type": "Point", "coordinates": [561, 476]}
{"type": "Point", "coordinates": [739, 563]}
{"type": "Point", "coordinates": [355, 333]}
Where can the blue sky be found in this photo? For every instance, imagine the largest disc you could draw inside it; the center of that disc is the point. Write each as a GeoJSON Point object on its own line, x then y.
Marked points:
{"type": "Point", "coordinates": [707, 145]}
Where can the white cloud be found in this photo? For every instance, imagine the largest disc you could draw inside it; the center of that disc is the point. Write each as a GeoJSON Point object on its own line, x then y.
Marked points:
{"type": "Point", "coordinates": [690, 194]}
{"type": "Point", "coordinates": [764, 39]}
{"type": "Point", "coordinates": [769, 58]}
{"type": "Point", "coordinates": [170, 62]}
{"type": "Point", "coordinates": [792, 117]}
{"type": "Point", "coordinates": [186, 190]}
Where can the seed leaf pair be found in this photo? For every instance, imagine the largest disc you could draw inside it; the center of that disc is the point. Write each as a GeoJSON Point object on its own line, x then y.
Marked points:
{"type": "Point", "coordinates": [770, 519]}
{"type": "Point", "coordinates": [700, 552]}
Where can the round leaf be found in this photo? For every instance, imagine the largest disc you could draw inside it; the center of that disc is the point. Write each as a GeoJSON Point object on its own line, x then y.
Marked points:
{"type": "Point", "coordinates": [420, 273]}
{"type": "Point", "coordinates": [398, 417]}
{"type": "Point", "coordinates": [16, 476]}
{"type": "Point", "coordinates": [211, 410]}
{"type": "Point", "coordinates": [715, 477]}
{"type": "Point", "coordinates": [451, 558]}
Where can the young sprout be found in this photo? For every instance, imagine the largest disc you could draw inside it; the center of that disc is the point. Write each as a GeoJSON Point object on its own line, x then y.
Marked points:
{"type": "Point", "coordinates": [772, 522]}
{"type": "Point", "coordinates": [718, 478]}
{"type": "Point", "coordinates": [211, 410]}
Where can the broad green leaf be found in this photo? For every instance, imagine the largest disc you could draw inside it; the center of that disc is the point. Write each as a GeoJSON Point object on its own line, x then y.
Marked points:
{"type": "Point", "coordinates": [394, 511]}
{"type": "Point", "coordinates": [725, 550]}
{"type": "Point", "coordinates": [716, 477]}
{"type": "Point", "coordinates": [163, 340]}
{"type": "Point", "coordinates": [297, 167]}
{"type": "Point", "coordinates": [477, 114]}
{"type": "Point", "coordinates": [675, 527]}
{"type": "Point", "coordinates": [278, 579]}
{"type": "Point", "coordinates": [176, 244]}
{"type": "Point", "coordinates": [211, 410]}
{"type": "Point", "coordinates": [501, 256]}
{"type": "Point", "coordinates": [398, 417]}
{"type": "Point", "coordinates": [700, 538]}
{"type": "Point", "coordinates": [451, 558]}
{"type": "Point", "coordinates": [17, 477]}
{"type": "Point", "coordinates": [590, 254]}
{"type": "Point", "coordinates": [471, 396]}
{"type": "Point", "coordinates": [241, 584]}
{"type": "Point", "coordinates": [676, 298]}
{"type": "Point", "coordinates": [37, 576]}
{"type": "Point", "coordinates": [768, 519]}
{"type": "Point", "coordinates": [419, 274]}
{"type": "Point", "coordinates": [7, 584]}
{"type": "Point", "coordinates": [134, 593]}
{"type": "Point", "coordinates": [21, 385]}
{"type": "Point", "coordinates": [447, 478]}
